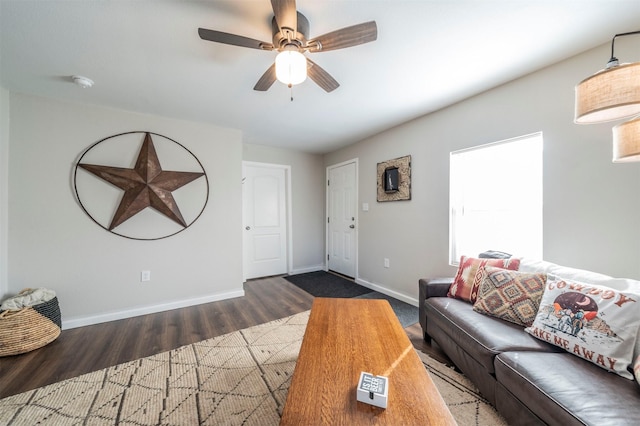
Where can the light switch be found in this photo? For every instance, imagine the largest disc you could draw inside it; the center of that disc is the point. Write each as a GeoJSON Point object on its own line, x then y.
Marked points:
{"type": "Point", "coordinates": [365, 207]}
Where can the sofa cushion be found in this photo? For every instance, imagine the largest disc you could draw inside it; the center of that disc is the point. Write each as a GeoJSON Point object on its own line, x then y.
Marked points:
{"type": "Point", "coordinates": [563, 389]}
{"type": "Point", "coordinates": [510, 295]}
{"type": "Point", "coordinates": [596, 323]}
{"type": "Point", "coordinates": [584, 276]}
{"type": "Point", "coordinates": [470, 274]}
{"type": "Point", "coordinates": [482, 337]}
{"type": "Point", "coordinates": [636, 369]}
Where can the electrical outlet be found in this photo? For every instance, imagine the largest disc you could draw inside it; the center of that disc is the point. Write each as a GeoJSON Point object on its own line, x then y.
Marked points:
{"type": "Point", "coordinates": [145, 276]}
{"type": "Point", "coordinates": [386, 262]}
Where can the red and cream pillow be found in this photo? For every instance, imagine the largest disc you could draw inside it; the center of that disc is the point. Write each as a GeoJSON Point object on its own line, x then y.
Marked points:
{"type": "Point", "coordinates": [470, 274]}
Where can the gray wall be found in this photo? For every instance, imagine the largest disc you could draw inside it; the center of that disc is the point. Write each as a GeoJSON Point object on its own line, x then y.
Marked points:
{"type": "Point", "coordinates": [307, 194]}
{"type": "Point", "coordinates": [4, 187]}
{"type": "Point", "coordinates": [590, 204]}
{"type": "Point", "coordinates": [52, 243]}
{"type": "Point", "coordinates": [96, 274]}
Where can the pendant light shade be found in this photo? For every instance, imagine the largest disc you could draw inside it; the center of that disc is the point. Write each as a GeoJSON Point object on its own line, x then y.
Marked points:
{"type": "Point", "coordinates": [626, 141]}
{"type": "Point", "coordinates": [612, 94]}
{"type": "Point", "coordinates": [291, 67]}
{"type": "Point", "coordinates": [609, 94]}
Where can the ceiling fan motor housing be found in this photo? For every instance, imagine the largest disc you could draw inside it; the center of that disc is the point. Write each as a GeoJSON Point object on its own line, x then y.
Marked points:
{"type": "Point", "coordinates": [299, 38]}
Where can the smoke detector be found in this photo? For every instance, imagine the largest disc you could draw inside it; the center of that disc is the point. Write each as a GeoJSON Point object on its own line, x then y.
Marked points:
{"type": "Point", "coordinates": [81, 81]}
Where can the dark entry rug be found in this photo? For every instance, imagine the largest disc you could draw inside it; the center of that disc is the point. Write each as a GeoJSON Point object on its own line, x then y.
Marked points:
{"type": "Point", "coordinates": [324, 284]}
{"type": "Point", "coordinates": [407, 314]}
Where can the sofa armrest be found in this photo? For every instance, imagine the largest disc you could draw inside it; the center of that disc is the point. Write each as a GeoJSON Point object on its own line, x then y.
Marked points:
{"type": "Point", "coordinates": [434, 287]}
{"type": "Point", "coordinates": [430, 287]}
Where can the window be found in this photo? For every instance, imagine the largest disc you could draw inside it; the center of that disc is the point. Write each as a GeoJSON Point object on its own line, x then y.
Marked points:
{"type": "Point", "coordinates": [496, 199]}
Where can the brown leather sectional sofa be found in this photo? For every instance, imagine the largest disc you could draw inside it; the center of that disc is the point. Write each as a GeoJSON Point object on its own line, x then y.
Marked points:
{"type": "Point", "coordinates": [530, 382]}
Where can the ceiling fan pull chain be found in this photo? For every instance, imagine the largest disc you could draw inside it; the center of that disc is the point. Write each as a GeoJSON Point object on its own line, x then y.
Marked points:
{"type": "Point", "coordinates": [291, 91]}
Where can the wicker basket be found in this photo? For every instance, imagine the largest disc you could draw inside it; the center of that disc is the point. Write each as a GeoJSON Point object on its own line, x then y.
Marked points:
{"type": "Point", "coordinates": [29, 328]}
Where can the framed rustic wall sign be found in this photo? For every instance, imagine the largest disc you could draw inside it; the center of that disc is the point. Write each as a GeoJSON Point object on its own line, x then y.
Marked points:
{"type": "Point", "coordinates": [394, 179]}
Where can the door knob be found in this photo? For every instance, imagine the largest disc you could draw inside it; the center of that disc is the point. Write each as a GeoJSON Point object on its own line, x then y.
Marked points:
{"type": "Point", "coordinates": [352, 226]}
{"type": "Point", "coordinates": [247, 228]}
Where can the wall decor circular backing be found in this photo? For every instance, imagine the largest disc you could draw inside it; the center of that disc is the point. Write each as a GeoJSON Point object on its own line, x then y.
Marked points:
{"type": "Point", "coordinates": [141, 185]}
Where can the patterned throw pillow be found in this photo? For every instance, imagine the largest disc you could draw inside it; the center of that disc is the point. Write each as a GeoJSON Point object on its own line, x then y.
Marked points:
{"type": "Point", "coordinates": [510, 295]}
{"type": "Point", "coordinates": [596, 323]}
{"type": "Point", "coordinates": [470, 275]}
{"type": "Point", "coordinates": [636, 369]}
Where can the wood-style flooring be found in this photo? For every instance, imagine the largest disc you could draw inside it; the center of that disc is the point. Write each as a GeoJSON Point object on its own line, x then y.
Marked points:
{"type": "Point", "coordinates": [85, 349]}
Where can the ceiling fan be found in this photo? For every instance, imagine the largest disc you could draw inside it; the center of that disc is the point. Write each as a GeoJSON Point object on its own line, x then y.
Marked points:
{"type": "Point", "coordinates": [290, 31]}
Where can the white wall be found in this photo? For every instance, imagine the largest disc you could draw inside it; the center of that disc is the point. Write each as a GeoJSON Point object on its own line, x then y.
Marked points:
{"type": "Point", "coordinates": [96, 274]}
{"type": "Point", "coordinates": [308, 211]}
{"type": "Point", "coordinates": [4, 188]}
{"type": "Point", "coordinates": [590, 204]}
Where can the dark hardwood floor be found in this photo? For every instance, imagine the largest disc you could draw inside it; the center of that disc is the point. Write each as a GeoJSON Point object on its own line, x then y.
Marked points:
{"type": "Point", "coordinates": [86, 349]}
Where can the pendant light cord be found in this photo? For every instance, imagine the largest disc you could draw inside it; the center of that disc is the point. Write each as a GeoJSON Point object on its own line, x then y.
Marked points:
{"type": "Point", "coordinates": [613, 58]}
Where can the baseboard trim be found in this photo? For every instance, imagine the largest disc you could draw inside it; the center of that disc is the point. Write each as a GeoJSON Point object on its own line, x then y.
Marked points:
{"type": "Point", "coordinates": [384, 290]}
{"type": "Point", "coordinates": [144, 310]}
{"type": "Point", "coordinates": [307, 269]}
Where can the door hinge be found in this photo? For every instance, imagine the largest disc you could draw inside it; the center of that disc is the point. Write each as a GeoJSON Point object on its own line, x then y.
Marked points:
{"type": "Point", "coordinates": [327, 257]}
{"type": "Point", "coordinates": [327, 182]}
{"type": "Point", "coordinates": [327, 220]}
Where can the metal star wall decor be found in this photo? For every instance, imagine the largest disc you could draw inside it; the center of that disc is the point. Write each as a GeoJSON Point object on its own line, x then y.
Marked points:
{"type": "Point", "coordinates": [145, 185]}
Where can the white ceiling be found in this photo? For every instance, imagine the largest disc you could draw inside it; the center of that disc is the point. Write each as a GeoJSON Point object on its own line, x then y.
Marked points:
{"type": "Point", "coordinates": [146, 56]}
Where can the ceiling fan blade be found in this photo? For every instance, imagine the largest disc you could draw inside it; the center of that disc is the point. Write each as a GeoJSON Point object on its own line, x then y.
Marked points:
{"type": "Point", "coordinates": [233, 39]}
{"type": "Point", "coordinates": [321, 77]}
{"type": "Point", "coordinates": [345, 37]}
{"type": "Point", "coordinates": [267, 79]}
{"type": "Point", "coordinates": [286, 15]}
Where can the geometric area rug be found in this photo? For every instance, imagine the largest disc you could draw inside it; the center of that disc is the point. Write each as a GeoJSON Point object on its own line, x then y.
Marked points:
{"type": "Point", "coordinates": [461, 395]}
{"type": "Point", "coordinates": [240, 378]}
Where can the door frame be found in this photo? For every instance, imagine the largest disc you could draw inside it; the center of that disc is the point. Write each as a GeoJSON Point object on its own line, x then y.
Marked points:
{"type": "Point", "coordinates": [287, 189]}
{"type": "Point", "coordinates": [357, 213]}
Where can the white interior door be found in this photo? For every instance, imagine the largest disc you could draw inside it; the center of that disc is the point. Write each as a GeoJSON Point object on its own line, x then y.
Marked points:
{"type": "Point", "coordinates": [264, 199]}
{"type": "Point", "coordinates": [342, 207]}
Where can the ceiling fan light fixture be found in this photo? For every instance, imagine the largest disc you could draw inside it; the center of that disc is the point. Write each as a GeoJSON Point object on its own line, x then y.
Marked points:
{"type": "Point", "coordinates": [290, 36]}
{"type": "Point", "coordinates": [291, 67]}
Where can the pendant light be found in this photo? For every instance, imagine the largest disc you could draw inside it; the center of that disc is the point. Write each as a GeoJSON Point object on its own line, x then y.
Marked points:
{"type": "Point", "coordinates": [626, 141]}
{"type": "Point", "coordinates": [609, 94]}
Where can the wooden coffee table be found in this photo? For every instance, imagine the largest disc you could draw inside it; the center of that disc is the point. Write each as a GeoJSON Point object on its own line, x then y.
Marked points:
{"type": "Point", "coordinates": [343, 338]}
